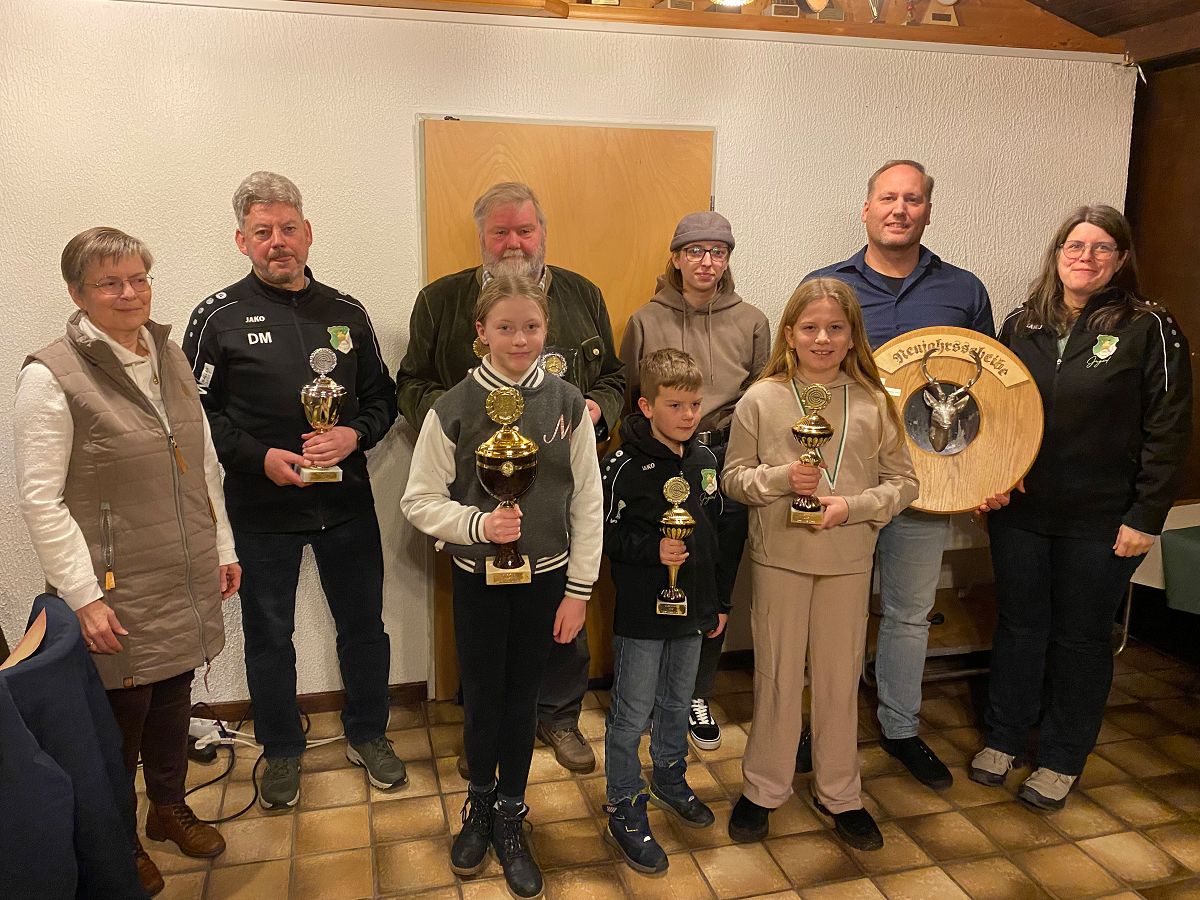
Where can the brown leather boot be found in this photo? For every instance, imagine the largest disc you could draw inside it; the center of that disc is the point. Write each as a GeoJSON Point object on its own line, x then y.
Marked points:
{"type": "Point", "coordinates": [148, 874]}
{"type": "Point", "coordinates": [178, 823]}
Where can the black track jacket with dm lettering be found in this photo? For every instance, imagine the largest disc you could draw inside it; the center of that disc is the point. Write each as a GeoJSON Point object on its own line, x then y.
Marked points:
{"type": "Point", "coordinates": [249, 346]}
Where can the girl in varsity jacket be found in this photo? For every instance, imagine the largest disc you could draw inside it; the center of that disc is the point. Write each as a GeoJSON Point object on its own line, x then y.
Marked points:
{"type": "Point", "coordinates": [504, 633]}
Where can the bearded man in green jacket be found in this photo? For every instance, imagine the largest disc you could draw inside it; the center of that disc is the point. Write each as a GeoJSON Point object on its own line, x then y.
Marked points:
{"type": "Point", "coordinates": [442, 349]}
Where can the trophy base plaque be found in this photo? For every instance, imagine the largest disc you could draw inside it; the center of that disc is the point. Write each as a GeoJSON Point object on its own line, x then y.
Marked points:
{"type": "Point", "coordinates": [316, 474]}
{"type": "Point", "coordinates": [523, 574]}
{"type": "Point", "coordinates": [805, 517]}
{"type": "Point", "coordinates": [671, 602]}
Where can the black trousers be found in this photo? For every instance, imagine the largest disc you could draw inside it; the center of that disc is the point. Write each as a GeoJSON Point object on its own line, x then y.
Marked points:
{"type": "Point", "coordinates": [154, 720]}
{"type": "Point", "coordinates": [1056, 599]}
{"type": "Point", "coordinates": [349, 560]}
{"type": "Point", "coordinates": [503, 634]}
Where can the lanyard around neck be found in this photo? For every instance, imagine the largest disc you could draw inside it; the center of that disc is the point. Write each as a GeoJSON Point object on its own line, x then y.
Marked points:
{"type": "Point", "coordinates": [831, 477]}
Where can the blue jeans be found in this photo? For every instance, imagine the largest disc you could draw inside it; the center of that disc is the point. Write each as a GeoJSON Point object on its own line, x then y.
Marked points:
{"type": "Point", "coordinates": [650, 678]}
{"type": "Point", "coordinates": [909, 556]}
{"type": "Point", "coordinates": [350, 564]}
{"type": "Point", "coordinates": [1056, 598]}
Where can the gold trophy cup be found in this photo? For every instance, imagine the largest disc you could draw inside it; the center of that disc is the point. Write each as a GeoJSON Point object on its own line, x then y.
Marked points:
{"type": "Point", "coordinates": [322, 401]}
{"type": "Point", "coordinates": [506, 464]}
{"type": "Point", "coordinates": [812, 432]}
{"type": "Point", "coordinates": [676, 523]}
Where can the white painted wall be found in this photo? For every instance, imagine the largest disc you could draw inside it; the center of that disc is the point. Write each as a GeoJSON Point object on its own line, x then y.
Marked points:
{"type": "Point", "coordinates": [145, 116]}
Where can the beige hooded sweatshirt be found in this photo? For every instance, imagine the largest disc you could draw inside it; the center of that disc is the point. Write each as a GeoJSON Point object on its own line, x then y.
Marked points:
{"type": "Point", "coordinates": [729, 339]}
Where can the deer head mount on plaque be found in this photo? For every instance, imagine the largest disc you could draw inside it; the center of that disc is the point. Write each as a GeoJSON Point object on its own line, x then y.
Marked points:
{"type": "Point", "coordinates": [944, 408]}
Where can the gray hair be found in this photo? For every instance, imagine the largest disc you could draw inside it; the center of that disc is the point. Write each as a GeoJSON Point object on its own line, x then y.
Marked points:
{"type": "Point", "coordinates": [99, 243]}
{"type": "Point", "coordinates": [265, 187]}
{"type": "Point", "coordinates": [505, 194]}
{"type": "Point", "coordinates": [891, 164]}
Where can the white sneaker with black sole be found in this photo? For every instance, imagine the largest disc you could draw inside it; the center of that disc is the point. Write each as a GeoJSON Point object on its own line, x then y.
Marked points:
{"type": "Point", "coordinates": [704, 732]}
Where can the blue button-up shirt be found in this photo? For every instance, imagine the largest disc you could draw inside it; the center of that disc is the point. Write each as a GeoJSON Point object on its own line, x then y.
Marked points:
{"type": "Point", "coordinates": [934, 293]}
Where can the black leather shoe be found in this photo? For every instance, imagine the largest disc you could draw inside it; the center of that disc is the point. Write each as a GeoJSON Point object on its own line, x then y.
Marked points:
{"type": "Point", "coordinates": [854, 826]}
{"type": "Point", "coordinates": [804, 753]}
{"type": "Point", "coordinates": [468, 855]}
{"type": "Point", "coordinates": [748, 821]}
{"type": "Point", "coordinates": [521, 872]}
{"type": "Point", "coordinates": [920, 761]}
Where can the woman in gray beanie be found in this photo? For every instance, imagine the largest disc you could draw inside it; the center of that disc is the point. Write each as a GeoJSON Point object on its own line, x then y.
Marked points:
{"type": "Point", "coordinates": [695, 309]}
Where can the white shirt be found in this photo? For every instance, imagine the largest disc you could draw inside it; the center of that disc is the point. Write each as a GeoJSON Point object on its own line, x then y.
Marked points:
{"type": "Point", "coordinates": [43, 434]}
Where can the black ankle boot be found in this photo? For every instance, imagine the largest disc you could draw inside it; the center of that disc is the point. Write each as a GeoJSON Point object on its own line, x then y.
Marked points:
{"type": "Point", "coordinates": [468, 855]}
{"type": "Point", "coordinates": [748, 821]}
{"type": "Point", "coordinates": [521, 872]}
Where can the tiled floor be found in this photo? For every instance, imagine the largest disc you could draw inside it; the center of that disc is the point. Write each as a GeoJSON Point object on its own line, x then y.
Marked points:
{"type": "Point", "coordinates": [1131, 829]}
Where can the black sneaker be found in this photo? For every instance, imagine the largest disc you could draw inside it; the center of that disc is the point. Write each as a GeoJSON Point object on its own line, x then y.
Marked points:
{"type": "Point", "coordinates": [521, 872]}
{"type": "Point", "coordinates": [468, 855]}
{"type": "Point", "coordinates": [704, 732]}
{"type": "Point", "coordinates": [670, 790]}
{"type": "Point", "coordinates": [854, 826]}
{"type": "Point", "coordinates": [748, 821]}
{"type": "Point", "coordinates": [804, 753]}
{"type": "Point", "coordinates": [629, 831]}
{"type": "Point", "coordinates": [921, 761]}
{"type": "Point", "coordinates": [280, 786]}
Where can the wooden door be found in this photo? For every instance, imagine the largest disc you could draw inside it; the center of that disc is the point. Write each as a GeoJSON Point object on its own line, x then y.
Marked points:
{"type": "Point", "coordinates": [612, 196]}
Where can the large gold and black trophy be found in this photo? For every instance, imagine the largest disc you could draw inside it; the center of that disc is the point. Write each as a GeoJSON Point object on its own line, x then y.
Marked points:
{"type": "Point", "coordinates": [676, 523]}
{"type": "Point", "coordinates": [506, 464]}
{"type": "Point", "coordinates": [322, 401]}
{"type": "Point", "coordinates": [812, 432]}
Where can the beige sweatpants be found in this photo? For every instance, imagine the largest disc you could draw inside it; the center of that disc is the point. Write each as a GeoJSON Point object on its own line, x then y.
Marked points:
{"type": "Point", "coordinates": [827, 614]}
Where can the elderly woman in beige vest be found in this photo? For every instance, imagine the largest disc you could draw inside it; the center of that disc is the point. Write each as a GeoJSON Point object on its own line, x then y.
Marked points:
{"type": "Point", "coordinates": [121, 491]}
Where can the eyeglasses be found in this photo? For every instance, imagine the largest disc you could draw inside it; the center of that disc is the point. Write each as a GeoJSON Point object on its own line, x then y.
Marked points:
{"type": "Point", "coordinates": [695, 254]}
{"type": "Point", "coordinates": [114, 287]}
{"type": "Point", "coordinates": [1074, 249]}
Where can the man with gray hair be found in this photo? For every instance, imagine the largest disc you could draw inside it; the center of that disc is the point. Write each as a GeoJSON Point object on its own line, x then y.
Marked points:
{"type": "Point", "coordinates": [252, 348]}
{"type": "Point", "coordinates": [442, 349]}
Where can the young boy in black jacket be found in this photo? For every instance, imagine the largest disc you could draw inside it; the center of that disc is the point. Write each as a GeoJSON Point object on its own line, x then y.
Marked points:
{"type": "Point", "coordinates": [656, 647]}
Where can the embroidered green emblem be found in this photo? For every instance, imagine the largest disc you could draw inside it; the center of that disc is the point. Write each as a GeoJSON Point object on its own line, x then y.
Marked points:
{"type": "Point", "coordinates": [1106, 346]}
{"type": "Point", "coordinates": [339, 338]}
{"type": "Point", "coordinates": [708, 480]}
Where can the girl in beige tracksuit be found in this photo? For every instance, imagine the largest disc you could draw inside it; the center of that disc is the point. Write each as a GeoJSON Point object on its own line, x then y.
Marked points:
{"type": "Point", "coordinates": [811, 585]}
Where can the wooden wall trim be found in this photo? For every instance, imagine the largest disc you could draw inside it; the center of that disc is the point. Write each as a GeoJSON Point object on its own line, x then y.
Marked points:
{"type": "Point", "coordinates": [1162, 39]}
{"type": "Point", "coordinates": [412, 693]}
{"type": "Point", "coordinates": [998, 23]}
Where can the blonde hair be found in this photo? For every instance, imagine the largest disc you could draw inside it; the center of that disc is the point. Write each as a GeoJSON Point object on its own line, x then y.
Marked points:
{"type": "Point", "coordinates": [96, 244]}
{"type": "Point", "coordinates": [265, 187]}
{"type": "Point", "coordinates": [858, 363]}
{"type": "Point", "coordinates": [504, 286]}
{"type": "Point", "coordinates": [927, 179]}
{"type": "Point", "coordinates": [668, 368]}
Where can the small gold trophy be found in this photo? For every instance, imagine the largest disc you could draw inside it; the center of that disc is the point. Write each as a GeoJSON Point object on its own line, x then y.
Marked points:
{"type": "Point", "coordinates": [676, 523]}
{"type": "Point", "coordinates": [322, 401]}
{"type": "Point", "coordinates": [813, 432]}
{"type": "Point", "coordinates": [506, 464]}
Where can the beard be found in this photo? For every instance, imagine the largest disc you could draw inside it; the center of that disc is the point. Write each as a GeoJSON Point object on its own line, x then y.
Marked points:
{"type": "Point", "coordinates": [517, 262]}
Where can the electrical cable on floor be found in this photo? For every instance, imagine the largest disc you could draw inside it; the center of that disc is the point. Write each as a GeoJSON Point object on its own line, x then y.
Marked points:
{"type": "Point", "coordinates": [226, 738]}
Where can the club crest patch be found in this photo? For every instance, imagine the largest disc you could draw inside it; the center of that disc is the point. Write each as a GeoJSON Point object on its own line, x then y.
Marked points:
{"type": "Point", "coordinates": [708, 481]}
{"type": "Point", "coordinates": [1105, 347]}
{"type": "Point", "coordinates": [339, 338]}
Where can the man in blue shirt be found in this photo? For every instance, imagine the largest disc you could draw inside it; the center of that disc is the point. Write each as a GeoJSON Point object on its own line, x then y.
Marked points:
{"type": "Point", "coordinates": [902, 286]}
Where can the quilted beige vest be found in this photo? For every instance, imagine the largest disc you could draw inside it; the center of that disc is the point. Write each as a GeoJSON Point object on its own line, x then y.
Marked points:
{"type": "Point", "coordinates": [137, 491]}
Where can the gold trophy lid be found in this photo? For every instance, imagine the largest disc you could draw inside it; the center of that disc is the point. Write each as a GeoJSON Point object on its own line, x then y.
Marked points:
{"type": "Point", "coordinates": [504, 406]}
{"type": "Point", "coordinates": [675, 491]}
{"type": "Point", "coordinates": [322, 360]}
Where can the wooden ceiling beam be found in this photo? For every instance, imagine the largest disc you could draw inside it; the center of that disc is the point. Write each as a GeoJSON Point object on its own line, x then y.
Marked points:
{"type": "Point", "coordinates": [1163, 39]}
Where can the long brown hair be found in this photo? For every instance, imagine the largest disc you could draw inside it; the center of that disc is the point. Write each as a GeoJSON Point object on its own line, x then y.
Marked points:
{"type": "Point", "coordinates": [1045, 306]}
{"type": "Point", "coordinates": [858, 363]}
